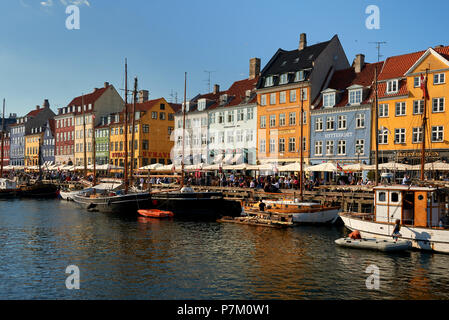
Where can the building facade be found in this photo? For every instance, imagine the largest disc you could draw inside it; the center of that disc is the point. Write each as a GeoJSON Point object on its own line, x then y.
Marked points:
{"type": "Point", "coordinates": [65, 136]}
{"type": "Point", "coordinates": [402, 103]}
{"type": "Point", "coordinates": [290, 82]}
{"type": "Point", "coordinates": [49, 143]}
{"type": "Point", "coordinates": [341, 123]}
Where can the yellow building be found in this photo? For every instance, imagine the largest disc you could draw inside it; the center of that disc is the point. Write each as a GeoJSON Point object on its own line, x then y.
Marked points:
{"type": "Point", "coordinates": [153, 126]}
{"type": "Point", "coordinates": [401, 106]}
{"type": "Point", "coordinates": [32, 145]}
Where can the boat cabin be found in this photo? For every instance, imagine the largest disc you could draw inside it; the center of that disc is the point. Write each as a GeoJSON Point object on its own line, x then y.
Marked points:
{"type": "Point", "coordinates": [413, 206]}
{"type": "Point", "coordinates": [6, 184]}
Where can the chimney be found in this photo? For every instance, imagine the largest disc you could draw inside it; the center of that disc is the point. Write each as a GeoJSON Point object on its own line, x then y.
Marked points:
{"type": "Point", "coordinates": [143, 96]}
{"type": "Point", "coordinates": [46, 104]}
{"type": "Point", "coordinates": [359, 63]}
{"type": "Point", "coordinates": [38, 107]}
{"type": "Point", "coordinates": [254, 68]}
{"type": "Point", "coordinates": [302, 41]}
{"type": "Point", "coordinates": [216, 88]}
{"type": "Point", "coordinates": [106, 84]}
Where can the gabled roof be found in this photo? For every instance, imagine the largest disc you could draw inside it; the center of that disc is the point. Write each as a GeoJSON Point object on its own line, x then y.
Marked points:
{"type": "Point", "coordinates": [34, 113]}
{"type": "Point", "coordinates": [88, 98]}
{"type": "Point", "coordinates": [442, 57]}
{"type": "Point", "coordinates": [346, 78]}
{"type": "Point", "coordinates": [397, 66]}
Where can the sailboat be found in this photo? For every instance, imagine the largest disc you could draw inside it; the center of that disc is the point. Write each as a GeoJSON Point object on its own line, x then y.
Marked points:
{"type": "Point", "coordinates": [302, 212]}
{"type": "Point", "coordinates": [420, 210]}
{"type": "Point", "coordinates": [185, 202]}
{"type": "Point", "coordinates": [119, 201]}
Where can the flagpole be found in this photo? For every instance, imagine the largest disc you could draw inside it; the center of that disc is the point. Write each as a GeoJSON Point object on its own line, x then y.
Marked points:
{"type": "Point", "coordinates": [424, 124]}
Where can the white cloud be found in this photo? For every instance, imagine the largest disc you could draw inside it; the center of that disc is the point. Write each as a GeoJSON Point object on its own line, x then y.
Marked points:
{"type": "Point", "coordinates": [47, 3]}
{"type": "Point", "coordinates": [75, 2]}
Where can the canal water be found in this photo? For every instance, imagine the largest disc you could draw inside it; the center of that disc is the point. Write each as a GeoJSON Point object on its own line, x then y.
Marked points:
{"type": "Point", "coordinates": [138, 258]}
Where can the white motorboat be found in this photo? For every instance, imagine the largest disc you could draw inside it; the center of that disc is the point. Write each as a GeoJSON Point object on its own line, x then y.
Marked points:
{"type": "Point", "coordinates": [420, 210]}
{"type": "Point", "coordinates": [102, 187]}
{"type": "Point", "coordinates": [375, 244]}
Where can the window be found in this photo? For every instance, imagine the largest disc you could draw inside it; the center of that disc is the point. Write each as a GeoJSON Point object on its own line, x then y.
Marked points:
{"type": "Point", "coordinates": [272, 145]}
{"type": "Point", "coordinates": [418, 106]}
{"type": "Point", "coordinates": [299, 76]}
{"type": "Point", "coordinates": [230, 116]}
{"type": "Point", "coordinates": [319, 124]}
{"type": "Point", "coordinates": [250, 114]}
{"type": "Point", "coordinates": [360, 147]}
{"type": "Point", "coordinates": [263, 100]}
{"type": "Point", "coordinates": [438, 105]}
{"type": "Point", "coordinates": [355, 96]}
{"type": "Point", "coordinates": [392, 86]}
{"type": "Point", "coordinates": [417, 135]}
{"type": "Point", "coordinates": [328, 100]}
{"type": "Point", "coordinates": [272, 121]}
{"type": "Point", "coordinates": [383, 136]}
{"type": "Point", "coordinates": [417, 82]}
{"type": "Point", "coordinates": [273, 98]}
{"type": "Point", "coordinates": [171, 116]}
{"type": "Point", "coordinates": [330, 123]}
{"type": "Point", "coordinates": [438, 78]}
{"type": "Point", "coordinates": [240, 115]}
{"type": "Point", "coordinates": [400, 108]}
{"type": "Point", "coordinates": [282, 119]}
{"type": "Point", "coordinates": [382, 196]}
{"type": "Point", "coordinates": [329, 148]}
{"type": "Point", "coordinates": [282, 97]}
{"type": "Point", "coordinates": [291, 144]}
{"type": "Point", "coordinates": [281, 145]}
{"type": "Point", "coordinates": [249, 135]}
{"type": "Point", "coordinates": [360, 121]}
{"type": "Point", "coordinates": [437, 134]}
{"type": "Point", "coordinates": [262, 145]}
{"type": "Point", "coordinates": [162, 115]}
{"type": "Point", "coordinates": [303, 94]}
{"type": "Point", "coordinates": [395, 197]}
{"type": "Point", "coordinates": [304, 117]}
{"type": "Point", "coordinates": [201, 104]}
{"type": "Point", "coordinates": [154, 115]}
{"type": "Point", "coordinates": [284, 78]}
{"type": "Point", "coordinates": [318, 148]}
{"type": "Point", "coordinates": [292, 95]}
{"type": "Point", "coordinates": [342, 122]}
{"type": "Point", "coordinates": [383, 110]}
{"type": "Point", "coordinates": [292, 118]}
{"type": "Point", "coordinates": [341, 147]}
{"type": "Point", "coordinates": [399, 135]}
{"type": "Point", "coordinates": [263, 123]}
{"type": "Point", "coordinates": [269, 81]}
{"type": "Point", "coordinates": [145, 144]}
{"type": "Point", "coordinates": [221, 117]}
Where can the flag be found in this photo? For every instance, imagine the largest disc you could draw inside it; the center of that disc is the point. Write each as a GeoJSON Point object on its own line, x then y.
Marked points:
{"type": "Point", "coordinates": [424, 86]}
{"type": "Point", "coordinates": [339, 167]}
{"type": "Point", "coordinates": [173, 169]}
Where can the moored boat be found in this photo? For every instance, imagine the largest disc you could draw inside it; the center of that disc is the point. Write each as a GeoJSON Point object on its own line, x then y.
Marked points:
{"type": "Point", "coordinates": [8, 188]}
{"type": "Point", "coordinates": [375, 244]}
{"type": "Point", "coordinates": [155, 213]}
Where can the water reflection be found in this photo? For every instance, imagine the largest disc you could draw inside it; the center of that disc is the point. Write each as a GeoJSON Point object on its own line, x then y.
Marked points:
{"type": "Point", "coordinates": [144, 258]}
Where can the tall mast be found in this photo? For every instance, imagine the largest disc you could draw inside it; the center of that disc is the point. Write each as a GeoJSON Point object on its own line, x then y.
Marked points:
{"type": "Point", "coordinates": [376, 120]}
{"type": "Point", "coordinates": [126, 127]}
{"type": "Point", "coordinates": [3, 139]}
{"type": "Point", "coordinates": [183, 129]}
{"type": "Point", "coordinates": [94, 147]}
{"type": "Point", "coordinates": [301, 147]}
{"type": "Point", "coordinates": [424, 124]}
{"type": "Point", "coordinates": [132, 128]}
{"type": "Point", "coordinates": [84, 136]}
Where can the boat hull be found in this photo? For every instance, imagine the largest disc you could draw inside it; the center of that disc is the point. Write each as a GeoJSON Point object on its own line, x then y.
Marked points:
{"type": "Point", "coordinates": [317, 217]}
{"type": "Point", "coordinates": [375, 244]}
{"type": "Point", "coordinates": [123, 204]}
{"type": "Point", "coordinates": [39, 191]}
{"type": "Point", "coordinates": [422, 238]}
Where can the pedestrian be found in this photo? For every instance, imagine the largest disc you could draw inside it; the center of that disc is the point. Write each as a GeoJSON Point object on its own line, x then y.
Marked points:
{"type": "Point", "coordinates": [397, 228]}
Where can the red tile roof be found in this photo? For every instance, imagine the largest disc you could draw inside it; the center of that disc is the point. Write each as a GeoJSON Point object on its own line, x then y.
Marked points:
{"type": "Point", "coordinates": [237, 92]}
{"type": "Point", "coordinates": [88, 98]}
{"type": "Point", "coordinates": [34, 113]}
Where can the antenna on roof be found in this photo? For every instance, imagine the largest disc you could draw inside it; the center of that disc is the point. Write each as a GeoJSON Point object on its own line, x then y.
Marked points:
{"type": "Point", "coordinates": [173, 96]}
{"type": "Point", "coordinates": [378, 45]}
{"type": "Point", "coordinates": [208, 79]}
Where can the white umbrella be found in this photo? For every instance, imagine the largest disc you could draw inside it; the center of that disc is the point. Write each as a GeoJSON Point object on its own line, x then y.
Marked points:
{"type": "Point", "coordinates": [434, 166]}
{"type": "Point", "coordinates": [212, 167]}
{"type": "Point", "coordinates": [323, 167]}
{"type": "Point", "coordinates": [355, 167]}
{"type": "Point", "coordinates": [395, 166]}
{"type": "Point", "coordinates": [151, 166]}
{"type": "Point", "coordinates": [198, 166]}
{"type": "Point", "coordinates": [242, 166]}
{"type": "Point", "coordinates": [294, 166]}
{"type": "Point", "coordinates": [168, 167]}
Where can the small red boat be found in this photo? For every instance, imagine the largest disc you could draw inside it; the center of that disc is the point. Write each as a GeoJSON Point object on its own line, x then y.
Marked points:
{"type": "Point", "coordinates": [155, 213]}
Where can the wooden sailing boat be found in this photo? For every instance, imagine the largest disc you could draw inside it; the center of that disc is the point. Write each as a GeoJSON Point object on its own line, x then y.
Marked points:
{"type": "Point", "coordinates": [421, 210]}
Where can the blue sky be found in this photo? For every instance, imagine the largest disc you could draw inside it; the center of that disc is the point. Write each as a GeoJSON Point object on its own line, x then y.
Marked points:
{"type": "Point", "coordinates": [41, 59]}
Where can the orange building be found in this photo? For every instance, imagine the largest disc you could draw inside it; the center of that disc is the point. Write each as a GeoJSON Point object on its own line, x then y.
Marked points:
{"type": "Point", "coordinates": [153, 127]}
{"type": "Point", "coordinates": [401, 106]}
{"type": "Point", "coordinates": [292, 80]}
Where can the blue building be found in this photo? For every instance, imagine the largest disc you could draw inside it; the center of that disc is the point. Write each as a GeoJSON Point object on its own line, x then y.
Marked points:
{"type": "Point", "coordinates": [341, 121]}
{"type": "Point", "coordinates": [48, 145]}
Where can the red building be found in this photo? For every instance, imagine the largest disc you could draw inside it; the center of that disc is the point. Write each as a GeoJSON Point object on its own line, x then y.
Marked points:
{"type": "Point", "coordinates": [6, 148]}
{"type": "Point", "coordinates": [65, 135]}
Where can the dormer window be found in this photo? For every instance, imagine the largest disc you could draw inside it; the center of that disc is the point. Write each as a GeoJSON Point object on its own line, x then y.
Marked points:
{"type": "Point", "coordinates": [355, 96]}
{"type": "Point", "coordinates": [269, 81]}
{"type": "Point", "coordinates": [187, 106]}
{"type": "Point", "coordinates": [284, 78]}
{"type": "Point", "coordinates": [223, 98]}
{"type": "Point", "coordinates": [201, 104]}
{"type": "Point", "coordinates": [299, 76]}
{"type": "Point", "coordinates": [328, 100]}
{"type": "Point", "coordinates": [392, 86]}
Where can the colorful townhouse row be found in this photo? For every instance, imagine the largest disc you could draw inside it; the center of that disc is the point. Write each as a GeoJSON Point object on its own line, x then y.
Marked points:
{"type": "Point", "coordinates": [310, 91]}
{"type": "Point", "coordinates": [315, 90]}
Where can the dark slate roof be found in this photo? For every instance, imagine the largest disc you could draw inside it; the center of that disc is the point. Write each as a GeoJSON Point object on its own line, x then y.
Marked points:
{"type": "Point", "coordinates": [291, 61]}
